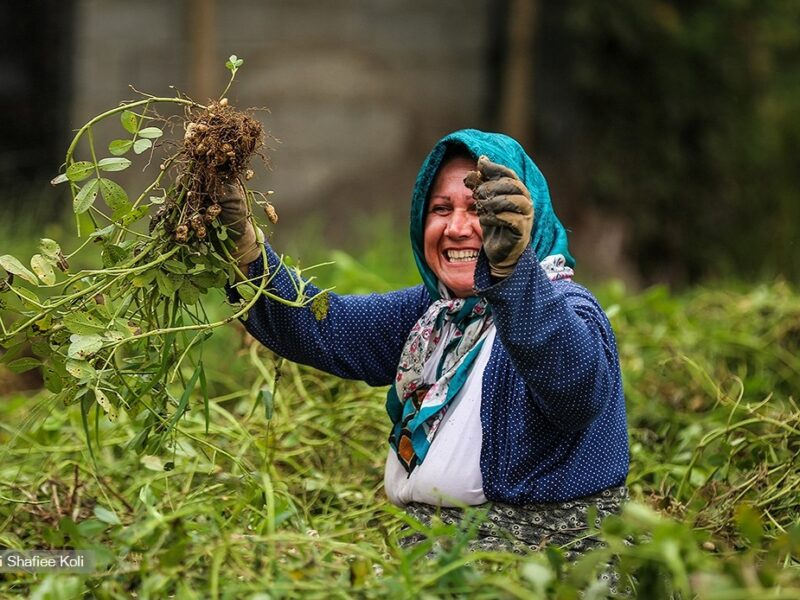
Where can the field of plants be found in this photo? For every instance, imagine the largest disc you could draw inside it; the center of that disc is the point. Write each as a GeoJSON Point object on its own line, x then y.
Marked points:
{"type": "Point", "coordinates": [280, 494]}
{"type": "Point", "coordinates": [194, 463]}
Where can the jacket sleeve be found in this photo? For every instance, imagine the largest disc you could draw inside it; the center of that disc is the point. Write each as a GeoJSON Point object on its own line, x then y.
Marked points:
{"type": "Point", "coordinates": [360, 337]}
{"type": "Point", "coordinates": [558, 338]}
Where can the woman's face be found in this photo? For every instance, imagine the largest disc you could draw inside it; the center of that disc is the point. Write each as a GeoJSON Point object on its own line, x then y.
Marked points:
{"type": "Point", "coordinates": [452, 234]}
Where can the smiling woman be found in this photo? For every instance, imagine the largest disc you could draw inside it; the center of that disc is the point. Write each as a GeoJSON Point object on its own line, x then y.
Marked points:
{"type": "Point", "coordinates": [504, 379]}
{"type": "Point", "coordinates": [453, 234]}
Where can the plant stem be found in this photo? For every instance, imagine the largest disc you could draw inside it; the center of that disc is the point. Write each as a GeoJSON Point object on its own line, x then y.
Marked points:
{"type": "Point", "coordinates": [227, 87]}
{"type": "Point", "coordinates": [119, 109]}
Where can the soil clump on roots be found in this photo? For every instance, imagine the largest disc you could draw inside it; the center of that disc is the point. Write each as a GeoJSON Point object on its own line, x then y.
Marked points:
{"type": "Point", "coordinates": [218, 145]}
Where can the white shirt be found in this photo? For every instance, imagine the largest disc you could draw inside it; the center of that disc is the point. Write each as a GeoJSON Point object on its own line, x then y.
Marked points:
{"type": "Point", "coordinates": [450, 475]}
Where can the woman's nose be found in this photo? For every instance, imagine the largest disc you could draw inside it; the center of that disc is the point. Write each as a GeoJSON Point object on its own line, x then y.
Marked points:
{"type": "Point", "coordinates": [457, 225]}
{"type": "Point", "coordinates": [460, 224]}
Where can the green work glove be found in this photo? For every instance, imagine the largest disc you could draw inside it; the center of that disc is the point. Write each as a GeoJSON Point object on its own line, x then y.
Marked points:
{"type": "Point", "coordinates": [234, 215]}
{"type": "Point", "coordinates": [505, 212]}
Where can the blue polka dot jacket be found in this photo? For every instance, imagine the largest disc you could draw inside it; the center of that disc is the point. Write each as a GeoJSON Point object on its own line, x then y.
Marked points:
{"type": "Point", "coordinates": [552, 406]}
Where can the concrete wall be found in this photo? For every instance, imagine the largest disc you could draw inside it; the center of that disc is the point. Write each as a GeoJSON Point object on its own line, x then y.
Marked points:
{"type": "Point", "coordinates": [358, 90]}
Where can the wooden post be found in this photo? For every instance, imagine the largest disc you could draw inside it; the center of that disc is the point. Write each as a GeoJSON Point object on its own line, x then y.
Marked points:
{"type": "Point", "coordinates": [202, 49]}
{"type": "Point", "coordinates": [516, 108]}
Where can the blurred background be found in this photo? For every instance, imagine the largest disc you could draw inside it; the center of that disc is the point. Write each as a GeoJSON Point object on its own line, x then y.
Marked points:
{"type": "Point", "coordinates": [668, 130]}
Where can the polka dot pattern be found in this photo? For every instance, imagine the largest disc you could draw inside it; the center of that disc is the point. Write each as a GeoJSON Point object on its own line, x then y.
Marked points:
{"type": "Point", "coordinates": [552, 408]}
{"type": "Point", "coordinates": [553, 412]}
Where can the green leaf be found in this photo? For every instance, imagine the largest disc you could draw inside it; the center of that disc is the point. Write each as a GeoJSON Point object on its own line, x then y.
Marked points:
{"type": "Point", "coordinates": [204, 280]}
{"type": "Point", "coordinates": [175, 266]}
{"type": "Point", "coordinates": [168, 283]}
{"type": "Point", "coordinates": [115, 197]}
{"type": "Point", "coordinates": [142, 145]}
{"type": "Point", "coordinates": [85, 198]}
{"type": "Point", "coordinates": [246, 291]}
{"type": "Point", "coordinates": [44, 323]}
{"type": "Point", "coordinates": [748, 519]}
{"type": "Point", "coordinates": [23, 364]}
{"type": "Point", "coordinates": [59, 179]}
{"type": "Point", "coordinates": [233, 63]}
{"type": "Point", "coordinates": [40, 347]}
{"type": "Point", "coordinates": [146, 495]}
{"type": "Point", "coordinates": [113, 164]}
{"type": "Point", "coordinates": [80, 170]}
{"type": "Point", "coordinates": [50, 248]}
{"type": "Point", "coordinates": [29, 295]}
{"type": "Point", "coordinates": [80, 369]}
{"type": "Point", "coordinates": [104, 232]}
{"type": "Point", "coordinates": [13, 351]}
{"type": "Point", "coordinates": [185, 397]}
{"type": "Point", "coordinates": [266, 399]}
{"type": "Point", "coordinates": [120, 147]}
{"type": "Point", "coordinates": [188, 293]}
{"type": "Point", "coordinates": [113, 337]}
{"type": "Point", "coordinates": [144, 279]}
{"type": "Point", "coordinates": [204, 392]}
{"type": "Point", "coordinates": [320, 305]}
{"type": "Point", "coordinates": [85, 407]}
{"type": "Point", "coordinates": [123, 327]}
{"type": "Point", "coordinates": [84, 346]}
{"type": "Point", "coordinates": [102, 400]}
{"type": "Point", "coordinates": [152, 462]}
{"type": "Point", "coordinates": [91, 528]}
{"type": "Point", "coordinates": [106, 516]}
{"type": "Point", "coordinates": [113, 254]}
{"type": "Point", "coordinates": [43, 269]}
{"type": "Point", "coordinates": [53, 382]}
{"type": "Point", "coordinates": [129, 121]}
{"type": "Point", "coordinates": [83, 323]}
{"type": "Point", "coordinates": [151, 133]}
{"type": "Point", "coordinates": [12, 265]}
{"type": "Point", "coordinates": [136, 214]}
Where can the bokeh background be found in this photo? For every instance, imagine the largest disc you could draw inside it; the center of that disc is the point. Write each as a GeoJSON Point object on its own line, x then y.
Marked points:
{"type": "Point", "coordinates": [669, 130]}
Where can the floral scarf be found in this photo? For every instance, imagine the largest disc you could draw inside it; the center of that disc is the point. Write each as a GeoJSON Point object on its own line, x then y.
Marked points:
{"type": "Point", "coordinates": [419, 398]}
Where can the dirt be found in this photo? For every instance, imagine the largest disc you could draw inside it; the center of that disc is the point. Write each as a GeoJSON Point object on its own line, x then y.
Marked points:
{"type": "Point", "coordinates": [218, 146]}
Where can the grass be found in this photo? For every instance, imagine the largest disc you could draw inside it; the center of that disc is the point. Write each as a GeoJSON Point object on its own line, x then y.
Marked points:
{"type": "Point", "coordinates": [282, 497]}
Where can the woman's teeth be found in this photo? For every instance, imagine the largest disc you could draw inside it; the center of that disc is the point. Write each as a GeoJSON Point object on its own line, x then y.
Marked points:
{"type": "Point", "coordinates": [462, 255]}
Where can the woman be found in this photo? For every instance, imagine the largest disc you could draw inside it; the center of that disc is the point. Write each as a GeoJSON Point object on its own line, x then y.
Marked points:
{"type": "Point", "coordinates": [505, 382]}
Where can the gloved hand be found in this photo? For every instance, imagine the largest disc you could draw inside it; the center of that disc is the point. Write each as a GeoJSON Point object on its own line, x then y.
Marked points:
{"type": "Point", "coordinates": [505, 212]}
{"type": "Point", "coordinates": [234, 215]}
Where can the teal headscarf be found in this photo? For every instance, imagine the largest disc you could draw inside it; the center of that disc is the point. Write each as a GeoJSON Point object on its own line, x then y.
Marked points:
{"type": "Point", "coordinates": [548, 236]}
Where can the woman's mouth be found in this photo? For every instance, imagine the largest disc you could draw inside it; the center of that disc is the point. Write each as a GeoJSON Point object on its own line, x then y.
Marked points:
{"type": "Point", "coordinates": [461, 256]}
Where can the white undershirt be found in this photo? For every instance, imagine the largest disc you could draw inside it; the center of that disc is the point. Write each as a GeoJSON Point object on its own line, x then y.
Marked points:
{"type": "Point", "coordinates": [450, 475]}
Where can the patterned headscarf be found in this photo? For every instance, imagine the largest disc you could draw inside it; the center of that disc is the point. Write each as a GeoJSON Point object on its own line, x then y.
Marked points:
{"type": "Point", "coordinates": [429, 377]}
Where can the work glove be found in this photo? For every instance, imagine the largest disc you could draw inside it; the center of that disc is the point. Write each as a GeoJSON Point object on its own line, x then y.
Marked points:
{"type": "Point", "coordinates": [234, 215]}
{"type": "Point", "coordinates": [505, 212]}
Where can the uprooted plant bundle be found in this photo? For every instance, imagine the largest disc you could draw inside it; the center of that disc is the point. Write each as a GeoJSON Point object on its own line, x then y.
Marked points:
{"type": "Point", "coordinates": [127, 337]}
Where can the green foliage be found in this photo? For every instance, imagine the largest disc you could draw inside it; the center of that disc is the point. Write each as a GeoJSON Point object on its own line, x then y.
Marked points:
{"type": "Point", "coordinates": [692, 127]}
{"type": "Point", "coordinates": [711, 378]}
{"type": "Point", "coordinates": [113, 339]}
{"type": "Point", "coordinates": [277, 493]}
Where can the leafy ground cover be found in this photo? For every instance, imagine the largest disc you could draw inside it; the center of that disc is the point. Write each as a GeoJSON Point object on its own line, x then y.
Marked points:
{"type": "Point", "coordinates": [282, 495]}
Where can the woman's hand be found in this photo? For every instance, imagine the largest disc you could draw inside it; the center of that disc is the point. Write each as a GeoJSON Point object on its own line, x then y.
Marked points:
{"type": "Point", "coordinates": [234, 215]}
{"type": "Point", "coordinates": [505, 212]}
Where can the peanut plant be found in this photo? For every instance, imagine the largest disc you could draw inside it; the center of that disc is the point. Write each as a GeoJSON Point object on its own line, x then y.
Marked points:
{"type": "Point", "coordinates": [126, 338]}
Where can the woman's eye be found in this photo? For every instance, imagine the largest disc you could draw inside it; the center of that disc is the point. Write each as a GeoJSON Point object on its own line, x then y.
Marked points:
{"type": "Point", "coordinates": [440, 210]}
